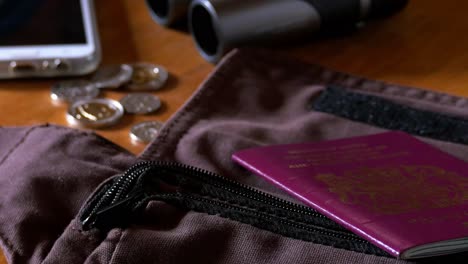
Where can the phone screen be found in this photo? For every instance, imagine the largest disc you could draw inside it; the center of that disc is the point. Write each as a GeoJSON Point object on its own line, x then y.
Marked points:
{"type": "Point", "coordinates": [41, 22]}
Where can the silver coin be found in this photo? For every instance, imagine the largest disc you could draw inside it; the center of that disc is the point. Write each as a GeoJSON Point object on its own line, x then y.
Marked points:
{"type": "Point", "coordinates": [95, 113]}
{"type": "Point", "coordinates": [112, 76]}
{"type": "Point", "coordinates": [73, 90]}
{"type": "Point", "coordinates": [140, 103]}
{"type": "Point", "coordinates": [146, 131]}
{"type": "Point", "coordinates": [147, 76]}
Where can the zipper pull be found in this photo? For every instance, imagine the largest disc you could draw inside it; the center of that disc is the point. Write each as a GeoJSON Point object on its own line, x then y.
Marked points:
{"type": "Point", "coordinates": [116, 214]}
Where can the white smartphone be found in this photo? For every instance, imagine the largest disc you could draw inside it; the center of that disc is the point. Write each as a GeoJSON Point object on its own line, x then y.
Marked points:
{"type": "Point", "coordinates": [46, 38]}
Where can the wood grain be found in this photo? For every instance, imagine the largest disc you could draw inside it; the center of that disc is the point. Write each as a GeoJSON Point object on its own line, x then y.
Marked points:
{"type": "Point", "coordinates": [425, 45]}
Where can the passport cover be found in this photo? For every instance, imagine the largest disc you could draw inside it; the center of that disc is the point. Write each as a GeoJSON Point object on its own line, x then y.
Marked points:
{"type": "Point", "coordinates": [399, 193]}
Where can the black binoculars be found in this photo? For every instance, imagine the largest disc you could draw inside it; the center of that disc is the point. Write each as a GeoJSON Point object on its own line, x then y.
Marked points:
{"type": "Point", "coordinates": [220, 25]}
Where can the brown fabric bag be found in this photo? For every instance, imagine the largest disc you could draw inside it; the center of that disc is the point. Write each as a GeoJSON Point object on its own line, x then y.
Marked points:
{"type": "Point", "coordinates": [47, 173]}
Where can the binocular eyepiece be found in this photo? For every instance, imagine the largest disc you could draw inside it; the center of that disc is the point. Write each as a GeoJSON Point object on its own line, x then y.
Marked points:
{"type": "Point", "coordinates": [220, 25]}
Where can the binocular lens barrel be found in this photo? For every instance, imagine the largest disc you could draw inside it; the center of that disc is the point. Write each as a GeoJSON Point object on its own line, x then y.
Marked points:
{"type": "Point", "coordinates": [168, 12]}
{"type": "Point", "coordinates": [220, 25]}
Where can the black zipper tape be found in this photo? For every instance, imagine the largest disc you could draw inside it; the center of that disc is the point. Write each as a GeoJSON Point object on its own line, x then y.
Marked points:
{"type": "Point", "coordinates": [384, 113]}
{"type": "Point", "coordinates": [122, 202]}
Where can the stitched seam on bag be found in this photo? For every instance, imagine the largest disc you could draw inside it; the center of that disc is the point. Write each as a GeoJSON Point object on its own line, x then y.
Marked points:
{"type": "Point", "coordinates": [116, 246]}
{"type": "Point", "coordinates": [192, 107]}
{"type": "Point", "coordinates": [405, 92]}
{"type": "Point", "coordinates": [8, 244]}
{"type": "Point", "coordinates": [381, 87]}
{"type": "Point", "coordinates": [105, 144]}
{"type": "Point", "coordinates": [163, 137]}
{"type": "Point", "coordinates": [17, 145]}
{"type": "Point", "coordinates": [394, 90]}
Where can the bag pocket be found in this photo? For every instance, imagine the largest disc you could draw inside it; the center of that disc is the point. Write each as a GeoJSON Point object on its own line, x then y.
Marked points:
{"type": "Point", "coordinates": [189, 188]}
{"type": "Point", "coordinates": [168, 212]}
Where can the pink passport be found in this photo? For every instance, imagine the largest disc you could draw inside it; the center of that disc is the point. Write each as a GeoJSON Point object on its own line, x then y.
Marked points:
{"type": "Point", "coordinates": [399, 193]}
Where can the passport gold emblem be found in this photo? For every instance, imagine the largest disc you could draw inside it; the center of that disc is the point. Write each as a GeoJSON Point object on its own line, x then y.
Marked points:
{"type": "Point", "coordinates": [399, 189]}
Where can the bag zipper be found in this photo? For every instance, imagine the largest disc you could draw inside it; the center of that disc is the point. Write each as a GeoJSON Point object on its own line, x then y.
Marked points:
{"type": "Point", "coordinates": [120, 201]}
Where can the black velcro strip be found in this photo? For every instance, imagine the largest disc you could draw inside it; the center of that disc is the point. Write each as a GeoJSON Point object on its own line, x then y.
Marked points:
{"type": "Point", "coordinates": [384, 113]}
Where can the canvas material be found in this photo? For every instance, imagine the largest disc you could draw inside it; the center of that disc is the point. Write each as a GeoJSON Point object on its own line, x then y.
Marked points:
{"type": "Point", "coordinates": [253, 98]}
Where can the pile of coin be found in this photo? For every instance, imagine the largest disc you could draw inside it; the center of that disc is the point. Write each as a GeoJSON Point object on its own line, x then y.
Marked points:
{"type": "Point", "coordinates": [87, 110]}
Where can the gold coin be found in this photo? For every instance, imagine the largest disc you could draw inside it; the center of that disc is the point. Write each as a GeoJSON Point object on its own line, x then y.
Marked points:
{"type": "Point", "coordinates": [95, 113]}
{"type": "Point", "coordinates": [147, 76]}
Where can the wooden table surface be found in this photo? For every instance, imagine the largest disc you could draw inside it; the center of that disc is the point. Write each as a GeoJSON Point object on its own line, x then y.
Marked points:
{"type": "Point", "coordinates": [426, 45]}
